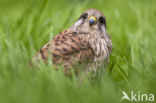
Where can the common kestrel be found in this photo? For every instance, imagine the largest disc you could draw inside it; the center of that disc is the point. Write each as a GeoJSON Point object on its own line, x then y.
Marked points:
{"type": "Point", "coordinates": [85, 44]}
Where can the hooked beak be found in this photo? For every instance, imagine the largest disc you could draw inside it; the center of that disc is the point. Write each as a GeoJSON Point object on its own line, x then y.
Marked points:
{"type": "Point", "coordinates": [92, 20]}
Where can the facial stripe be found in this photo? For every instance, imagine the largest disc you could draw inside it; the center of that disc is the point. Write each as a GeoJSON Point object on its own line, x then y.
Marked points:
{"type": "Point", "coordinates": [99, 26]}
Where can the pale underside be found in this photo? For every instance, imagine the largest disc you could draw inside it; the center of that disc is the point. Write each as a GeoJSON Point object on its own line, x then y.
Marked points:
{"type": "Point", "coordinates": [88, 50]}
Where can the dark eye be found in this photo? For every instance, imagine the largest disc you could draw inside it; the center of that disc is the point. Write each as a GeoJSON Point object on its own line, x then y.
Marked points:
{"type": "Point", "coordinates": [85, 15]}
{"type": "Point", "coordinates": [102, 20]}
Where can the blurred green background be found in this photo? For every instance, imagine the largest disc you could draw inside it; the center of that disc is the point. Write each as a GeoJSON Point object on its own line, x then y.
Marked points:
{"type": "Point", "coordinates": [26, 25]}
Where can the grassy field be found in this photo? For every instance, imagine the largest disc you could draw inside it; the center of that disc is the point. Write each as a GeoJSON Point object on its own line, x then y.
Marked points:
{"type": "Point", "coordinates": [26, 25]}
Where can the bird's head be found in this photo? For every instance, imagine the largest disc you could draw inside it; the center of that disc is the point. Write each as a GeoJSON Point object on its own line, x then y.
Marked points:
{"type": "Point", "coordinates": [90, 21]}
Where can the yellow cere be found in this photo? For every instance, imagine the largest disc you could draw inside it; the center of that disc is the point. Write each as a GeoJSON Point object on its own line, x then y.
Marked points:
{"type": "Point", "coordinates": [92, 17]}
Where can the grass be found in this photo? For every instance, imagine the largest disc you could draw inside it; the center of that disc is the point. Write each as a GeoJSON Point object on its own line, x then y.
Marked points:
{"type": "Point", "coordinates": [26, 25]}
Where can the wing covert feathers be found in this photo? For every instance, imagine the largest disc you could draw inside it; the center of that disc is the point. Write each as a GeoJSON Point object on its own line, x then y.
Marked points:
{"type": "Point", "coordinates": [66, 48]}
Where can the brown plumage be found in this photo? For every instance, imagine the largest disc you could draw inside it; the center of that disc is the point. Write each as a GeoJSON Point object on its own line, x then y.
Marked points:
{"type": "Point", "coordinates": [85, 43]}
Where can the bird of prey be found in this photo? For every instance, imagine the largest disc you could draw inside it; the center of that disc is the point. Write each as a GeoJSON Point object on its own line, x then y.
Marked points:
{"type": "Point", "coordinates": [85, 44]}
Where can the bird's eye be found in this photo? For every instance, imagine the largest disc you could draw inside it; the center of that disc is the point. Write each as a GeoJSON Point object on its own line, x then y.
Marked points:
{"type": "Point", "coordinates": [85, 15]}
{"type": "Point", "coordinates": [102, 20]}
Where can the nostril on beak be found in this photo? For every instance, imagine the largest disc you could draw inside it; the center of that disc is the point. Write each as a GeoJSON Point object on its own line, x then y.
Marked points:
{"type": "Point", "coordinates": [91, 21]}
